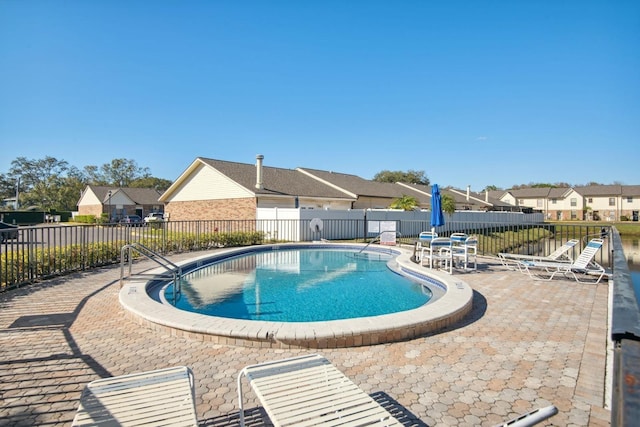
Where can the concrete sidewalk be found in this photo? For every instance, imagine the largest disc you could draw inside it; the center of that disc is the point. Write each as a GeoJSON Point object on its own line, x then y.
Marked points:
{"type": "Point", "coordinates": [527, 344]}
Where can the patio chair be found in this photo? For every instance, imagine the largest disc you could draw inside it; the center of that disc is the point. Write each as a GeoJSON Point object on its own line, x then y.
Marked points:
{"type": "Point", "coordinates": [466, 251]}
{"type": "Point", "coordinates": [160, 397]}
{"type": "Point", "coordinates": [309, 390]}
{"type": "Point", "coordinates": [424, 240]}
{"type": "Point", "coordinates": [438, 253]}
{"type": "Point", "coordinates": [582, 267]}
{"type": "Point", "coordinates": [561, 254]}
{"type": "Point", "coordinates": [458, 239]}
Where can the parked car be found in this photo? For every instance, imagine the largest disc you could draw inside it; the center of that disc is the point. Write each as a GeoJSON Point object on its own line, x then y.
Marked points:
{"type": "Point", "coordinates": [132, 220]}
{"type": "Point", "coordinates": [8, 231]}
{"type": "Point", "coordinates": [154, 217]}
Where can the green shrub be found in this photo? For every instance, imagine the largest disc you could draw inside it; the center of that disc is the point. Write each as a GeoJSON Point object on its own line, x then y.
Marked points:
{"type": "Point", "coordinates": [20, 266]}
{"type": "Point", "coordinates": [85, 219]}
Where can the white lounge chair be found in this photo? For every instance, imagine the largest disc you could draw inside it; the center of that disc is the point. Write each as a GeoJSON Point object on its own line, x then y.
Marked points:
{"type": "Point", "coordinates": [532, 418]}
{"type": "Point", "coordinates": [438, 253]}
{"type": "Point", "coordinates": [511, 260]}
{"type": "Point", "coordinates": [164, 397]}
{"type": "Point", "coordinates": [583, 267]}
{"type": "Point", "coordinates": [309, 390]}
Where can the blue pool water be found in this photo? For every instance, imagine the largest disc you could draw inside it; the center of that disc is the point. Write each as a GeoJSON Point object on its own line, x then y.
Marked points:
{"type": "Point", "coordinates": [300, 285]}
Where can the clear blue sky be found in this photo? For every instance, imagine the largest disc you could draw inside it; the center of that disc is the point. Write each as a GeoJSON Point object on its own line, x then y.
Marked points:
{"type": "Point", "coordinates": [478, 92]}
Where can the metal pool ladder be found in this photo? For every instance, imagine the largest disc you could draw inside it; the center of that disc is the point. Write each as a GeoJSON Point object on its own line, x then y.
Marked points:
{"type": "Point", "coordinates": [173, 271]}
{"type": "Point", "coordinates": [378, 238]}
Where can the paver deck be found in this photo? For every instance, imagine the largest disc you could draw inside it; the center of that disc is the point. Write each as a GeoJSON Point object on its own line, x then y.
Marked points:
{"type": "Point", "coordinates": [526, 344]}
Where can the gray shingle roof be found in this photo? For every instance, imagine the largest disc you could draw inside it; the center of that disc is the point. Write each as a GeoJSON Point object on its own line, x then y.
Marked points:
{"type": "Point", "coordinates": [356, 185]}
{"type": "Point", "coordinates": [599, 190]}
{"type": "Point", "coordinates": [529, 193]}
{"type": "Point", "coordinates": [631, 190]}
{"type": "Point", "coordinates": [276, 181]}
{"type": "Point", "coordinates": [140, 196]}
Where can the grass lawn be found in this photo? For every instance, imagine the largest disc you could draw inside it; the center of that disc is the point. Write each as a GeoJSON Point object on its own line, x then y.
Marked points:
{"type": "Point", "coordinates": [625, 228]}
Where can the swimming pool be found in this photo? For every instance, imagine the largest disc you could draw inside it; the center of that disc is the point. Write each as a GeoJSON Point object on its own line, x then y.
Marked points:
{"type": "Point", "coordinates": [452, 300]}
{"type": "Point", "coordinates": [300, 285]}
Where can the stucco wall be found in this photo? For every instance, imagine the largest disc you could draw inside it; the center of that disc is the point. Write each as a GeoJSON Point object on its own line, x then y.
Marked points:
{"type": "Point", "coordinates": [212, 209]}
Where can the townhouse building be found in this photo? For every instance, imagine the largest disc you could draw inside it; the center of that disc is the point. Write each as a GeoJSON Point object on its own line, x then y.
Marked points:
{"type": "Point", "coordinates": [592, 202]}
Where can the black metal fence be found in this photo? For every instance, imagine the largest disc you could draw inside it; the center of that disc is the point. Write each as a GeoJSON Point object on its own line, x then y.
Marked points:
{"type": "Point", "coordinates": [47, 250]}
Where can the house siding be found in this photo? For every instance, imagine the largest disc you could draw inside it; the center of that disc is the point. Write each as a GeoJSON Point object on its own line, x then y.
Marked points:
{"type": "Point", "coordinates": [366, 202]}
{"type": "Point", "coordinates": [207, 183]}
{"type": "Point", "coordinates": [222, 209]}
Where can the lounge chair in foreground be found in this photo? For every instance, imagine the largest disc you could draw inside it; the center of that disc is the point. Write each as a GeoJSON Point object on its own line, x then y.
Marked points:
{"type": "Point", "coordinates": [582, 268]}
{"type": "Point", "coordinates": [309, 390]}
{"type": "Point", "coordinates": [165, 397]}
{"type": "Point", "coordinates": [511, 260]}
{"type": "Point", "coordinates": [532, 418]}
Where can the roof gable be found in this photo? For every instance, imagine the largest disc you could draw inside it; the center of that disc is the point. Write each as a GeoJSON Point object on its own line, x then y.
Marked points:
{"type": "Point", "coordinates": [123, 195]}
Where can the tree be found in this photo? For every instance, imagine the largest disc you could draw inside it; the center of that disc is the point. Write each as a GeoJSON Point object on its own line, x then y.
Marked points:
{"type": "Point", "coordinates": [448, 204]}
{"type": "Point", "coordinates": [122, 172]}
{"type": "Point", "coordinates": [7, 186]}
{"type": "Point", "coordinates": [151, 182]}
{"type": "Point", "coordinates": [491, 188]}
{"type": "Point", "coordinates": [407, 203]}
{"type": "Point", "coordinates": [92, 175]}
{"type": "Point", "coordinates": [409, 177]}
{"type": "Point", "coordinates": [40, 180]}
{"type": "Point", "coordinates": [50, 183]}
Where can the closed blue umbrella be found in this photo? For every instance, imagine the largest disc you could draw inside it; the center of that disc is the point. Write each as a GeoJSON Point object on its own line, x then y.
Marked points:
{"type": "Point", "coordinates": [437, 218]}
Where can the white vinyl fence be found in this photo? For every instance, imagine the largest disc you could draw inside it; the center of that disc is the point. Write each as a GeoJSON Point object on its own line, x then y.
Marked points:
{"type": "Point", "coordinates": [295, 224]}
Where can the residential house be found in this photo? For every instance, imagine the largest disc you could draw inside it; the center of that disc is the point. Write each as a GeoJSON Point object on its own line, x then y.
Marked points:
{"type": "Point", "coordinates": [368, 194]}
{"type": "Point", "coordinates": [592, 202]}
{"type": "Point", "coordinates": [220, 190]}
{"type": "Point", "coordinates": [116, 202]}
{"type": "Point", "coordinates": [217, 189]}
{"type": "Point", "coordinates": [564, 204]}
{"type": "Point", "coordinates": [611, 202]}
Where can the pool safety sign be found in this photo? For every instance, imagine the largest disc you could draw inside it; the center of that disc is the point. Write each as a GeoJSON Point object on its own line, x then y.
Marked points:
{"type": "Point", "coordinates": [385, 229]}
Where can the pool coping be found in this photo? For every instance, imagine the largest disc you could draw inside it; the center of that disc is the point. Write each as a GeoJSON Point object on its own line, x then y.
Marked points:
{"type": "Point", "coordinates": [448, 309]}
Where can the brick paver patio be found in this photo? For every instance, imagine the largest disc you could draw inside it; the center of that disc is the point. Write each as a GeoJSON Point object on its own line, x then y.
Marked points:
{"type": "Point", "coordinates": [527, 344]}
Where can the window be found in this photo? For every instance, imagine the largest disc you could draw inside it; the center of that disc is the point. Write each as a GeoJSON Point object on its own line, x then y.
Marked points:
{"type": "Point", "coordinates": [574, 202]}
{"type": "Point", "coordinates": [554, 201]}
{"type": "Point", "coordinates": [521, 201]}
{"type": "Point", "coordinates": [629, 199]}
{"type": "Point", "coordinates": [590, 199]}
{"type": "Point", "coordinates": [612, 201]}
